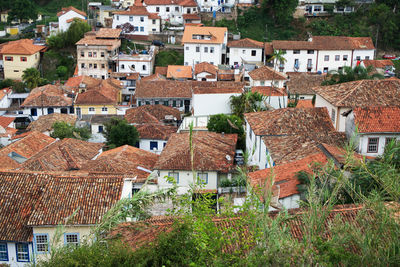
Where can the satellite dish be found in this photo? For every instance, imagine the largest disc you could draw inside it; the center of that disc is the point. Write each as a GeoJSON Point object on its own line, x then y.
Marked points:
{"type": "Point", "coordinates": [228, 158]}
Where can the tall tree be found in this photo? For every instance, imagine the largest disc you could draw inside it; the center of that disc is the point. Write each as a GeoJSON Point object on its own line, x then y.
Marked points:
{"type": "Point", "coordinates": [118, 133]}
{"type": "Point", "coordinates": [23, 10]}
{"type": "Point", "coordinates": [76, 31]}
{"type": "Point", "coordinates": [31, 77]}
{"type": "Point", "coordinates": [247, 102]}
{"type": "Point", "coordinates": [277, 57]}
{"type": "Point", "coordinates": [281, 11]}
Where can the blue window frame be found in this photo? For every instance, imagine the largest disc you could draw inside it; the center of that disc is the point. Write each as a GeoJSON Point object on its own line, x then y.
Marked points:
{"type": "Point", "coordinates": [3, 252]}
{"type": "Point", "coordinates": [50, 110]}
{"type": "Point", "coordinates": [71, 239]}
{"type": "Point", "coordinates": [135, 28]}
{"type": "Point", "coordinates": [101, 129]}
{"type": "Point", "coordinates": [22, 251]}
{"type": "Point", "coordinates": [142, 29]}
{"type": "Point", "coordinates": [174, 175]}
{"type": "Point", "coordinates": [42, 244]}
{"type": "Point", "coordinates": [153, 145]}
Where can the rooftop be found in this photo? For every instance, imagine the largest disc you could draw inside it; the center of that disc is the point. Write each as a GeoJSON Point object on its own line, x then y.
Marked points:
{"type": "Point", "coordinates": [155, 131]}
{"type": "Point", "coordinates": [212, 152]}
{"type": "Point", "coordinates": [301, 82]}
{"type": "Point", "coordinates": [70, 8]}
{"type": "Point", "coordinates": [362, 93]}
{"type": "Point", "coordinates": [21, 47]}
{"type": "Point", "coordinates": [5, 121]}
{"type": "Point", "coordinates": [163, 89]}
{"type": "Point", "coordinates": [217, 35]}
{"type": "Point", "coordinates": [179, 72]}
{"type": "Point", "coordinates": [107, 33]}
{"type": "Point", "coordinates": [106, 93]}
{"type": "Point", "coordinates": [91, 39]}
{"type": "Point", "coordinates": [205, 67]}
{"type": "Point", "coordinates": [151, 114]}
{"type": "Point", "coordinates": [47, 96]}
{"type": "Point", "coordinates": [267, 74]}
{"type": "Point", "coordinates": [134, 11]}
{"type": "Point", "coordinates": [246, 43]}
{"type": "Point", "coordinates": [382, 63]}
{"type": "Point", "coordinates": [377, 119]}
{"type": "Point", "coordinates": [269, 90]}
{"type": "Point", "coordinates": [45, 122]}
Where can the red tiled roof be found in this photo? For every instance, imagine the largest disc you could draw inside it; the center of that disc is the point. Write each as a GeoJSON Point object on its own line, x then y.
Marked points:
{"type": "Point", "coordinates": [106, 93]}
{"type": "Point", "coordinates": [134, 11]}
{"type": "Point", "coordinates": [151, 114]}
{"type": "Point", "coordinates": [363, 93]}
{"type": "Point", "coordinates": [63, 155]}
{"type": "Point", "coordinates": [4, 92]}
{"type": "Point", "coordinates": [304, 103]}
{"type": "Point", "coordinates": [212, 152]}
{"type": "Point", "coordinates": [161, 70]}
{"type": "Point", "coordinates": [301, 83]}
{"type": "Point", "coordinates": [377, 119]}
{"type": "Point", "coordinates": [45, 122]}
{"type": "Point", "coordinates": [382, 63]}
{"type": "Point", "coordinates": [47, 96]}
{"type": "Point", "coordinates": [21, 47]}
{"type": "Point", "coordinates": [205, 67]}
{"type": "Point", "coordinates": [188, 3]}
{"type": "Point", "coordinates": [161, 2]}
{"type": "Point", "coordinates": [220, 87]}
{"type": "Point", "coordinates": [5, 121]}
{"type": "Point", "coordinates": [124, 159]}
{"type": "Point", "coordinates": [155, 131]}
{"type": "Point", "coordinates": [246, 43]}
{"type": "Point", "coordinates": [179, 72]}
{"type": "Point", "coordinates": [327, 43]}
{"type": "Point", "coordinates": [154, 77]}
{"type": "Point", "coordinates": [268, 49]}
{"type": "Point", "coordinates": [217, 34]}
{"type": "Point", "coordinates": [269, 90]}
{"type": "Point", "coordinates": [70, 8]}
{"type": "Point", "coordinates": [163, 89]}
{"type": "Point", "coordinates": [108, 33]}
{"type": "Point", "coordinates": [267, 74]}
{"type": "Point", "coordinates": [191, 16]}
{"type": "Point", "coordinates": [285, 175]}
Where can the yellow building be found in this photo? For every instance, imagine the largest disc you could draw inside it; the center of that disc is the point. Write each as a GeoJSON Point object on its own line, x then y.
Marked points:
{"type": "Point", "coordinates": [19, 56]}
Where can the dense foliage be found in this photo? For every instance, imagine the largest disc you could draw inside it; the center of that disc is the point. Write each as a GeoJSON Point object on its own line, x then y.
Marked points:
{"type": "Point", "coordinates": [22, 10]}
{"type": "Point", "coordinates": [75, 32]}
{"type": "Point", "coordinates": [247, 102]}
{"type": "Point", "coordinates": [63, 130]}
{"type": "Point", "coordinates": [349, 74]}
{"type": "Point", "coordinates": [222, 123]}
{"type": "Point", "coordinates": [118, 133]}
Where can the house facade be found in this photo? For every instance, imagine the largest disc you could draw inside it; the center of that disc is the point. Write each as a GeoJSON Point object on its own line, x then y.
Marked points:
{"type": "Point", "coordinates": [266, 76]}
{"type": "Point", "coordinates": [204, 44]}
{"type": "Point", "coordinates": [67, 15]}
{"type": "Point", "coordinates": [245, 51]}
{"type": "Point", "coordinates": [140, 62]}
{"type": "Point", "coordinates": [224, 6]}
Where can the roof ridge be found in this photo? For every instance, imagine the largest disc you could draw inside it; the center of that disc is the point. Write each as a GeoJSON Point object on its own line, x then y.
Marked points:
{"type": "Point", "coordinates": [350, 92]}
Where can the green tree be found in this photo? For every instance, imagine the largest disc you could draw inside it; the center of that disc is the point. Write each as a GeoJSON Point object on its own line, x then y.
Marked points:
{"type": "Point", "coordinates": [23, 10]}
{"type": "Point", "coordinates": [222, 123]}
{"type": "Point", "coordinates": [6, 83]}
{"type": "Point", "coordinates": [76, 31]}
{"type": "Point", "coordinates": [63, 130]}
{"type": "Point", "coordinates": [386, 24]}
{"type": "Point", "coordinates": [31, 78]}
{"type": "Point", "coordinates": [247, 102]}
{"type": "Point", "coordinates": [5, 5]}
{"type": "Point", "coordinates": [281, 11]}
{"type": "Point", "coordinates": [62, 72]}
{"type": "Point", "coordinates": [118, 133]}
{"type": "Point", "coordinates": [348, 74]}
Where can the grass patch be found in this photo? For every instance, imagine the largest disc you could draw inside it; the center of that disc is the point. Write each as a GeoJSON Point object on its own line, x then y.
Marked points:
{"type": "Point", "coordinates": [169, 57]}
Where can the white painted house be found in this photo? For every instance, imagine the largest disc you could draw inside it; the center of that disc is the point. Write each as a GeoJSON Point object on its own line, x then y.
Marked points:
{"type": "Point", "coordinates": [341, 98]}
{"type": "Point", "coordinates": [205, 44]}
{"type": "Point", "coordinates": [170, 11]}
{"type": "Point", "coordinates": [224, 6]}
{"type": "Point", "coordinates": [67, 15]}
{"type": "Point", "coordinates": [205, 71]}
{"type": "Point", "coordinates": [245, 51]}
{"type": "Point", "coordinates": [373, 128]}
{"type": "Point", "coordinates": [266, 76]}
{"type": "Point", "coordinates": [141, 62]}
{"type": "Point", "coordinates": [323, 53]}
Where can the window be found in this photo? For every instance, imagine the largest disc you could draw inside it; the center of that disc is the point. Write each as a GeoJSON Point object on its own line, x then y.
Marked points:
{"type": "Point", "coordinates": [187, 47]}
{"type": "Point", "coordinates": [156, 102]}
{"type": "Point", "coordinates": [388, 140]}
{"type": "Point", "coordinates": [165, 103]}
{"type": "Point", "coordinates": [358, 58]}
{"type": "Point", "coordinates": [373, 145]}
{"type": "Point", "coordinates": [23, 59]}
{"type": "Point", "coordinates": [71, 239]}
{"type": "Point", "coordinates": [310, 52]}
{"type": "Point", "coordinates": [345, 58]}
{"type": "Point", "coordinates": [174, 175]}
{"type": "Point", "coordinates": [205, 49]}
{"type": "Point", "coordinates": [296, 63]}
{"type": "Point", "coordinates": [50, 110]}
{"type": "Point", "coordinates": [212, 63]}
{"type": "Point", "coordinates": [244, 52]}
{"type": "Point", "coordinates": [262, 83]}
{"type": "Point", "coordinates": [142, 29]}
{"type": "Point", "coordinates": [82, 54]}
{"type": "Point", "coordinates": [333, 116]}
{"type": "Point", "coordinates": [101, 128]}
{"type": "Point", "coordinates": [174, 103]}
{"type": "Point", "coordinates": [133, 66]}
{"type": "Point", "coordinates": [197, 48]}
{"type": "Point", "coordinates": [366, 57]}
{"type": "Point", "coordinates": [326, 58]}
{"type": "Point", "coordinates": [90, 65]}
{"type": "Point", "coordinates": [144, 67]}
{"type": "Point", "coordinates": [309, 63]}
{"type": "Point", "coordinates": [136, 28]}
{"type": "Point", "coordinates": [317, 8]}
{"type": "Point", "coordinates": [9, 58]}
{"type": "Point", "coordinates": [176, 8]}
{"type": "Point", "coordinates": [122, 66]}
{"type": "Point", "coordinates": [104, 109]}
{"type": "Point", "coordinates": [211, 49]}
{"type": "Point", "coordinates": [202, 177]}
{"type": "Point", "coordinates": [117, 17]}
{"type": "Point", "coordinates": [130, 18]}
{"type": "Point", "coordinates": [95, 66]}
{"type": "Point", "coordinates": [147, 102]}
{"type": "Point", "coordinates": [83, 65]}
{"type": "Point", "coordinates": [337, 58]}
{"type": "Point", "coordinates": [22, 252]}
{"type": "Point", "coordinates": [42, 243]}
{"type": "Point", "coordinates": [167, 9]}
{"type": "Point", "coordinates": [157, 9]}
{"type": "Point", "coordinates": [103, 66]}
{"type": "Point", "coordinates": [153, 145]}
{"type": "Point", "coordinates": [296, 51]}
{"type": "Point", "coordinates": [94, 54]}
{"type": "Point", "coordinates": [154, 21]}
{"type": "Point", "coordinates": [3, 252]}
{"type": "Point", "coordinates": [142, 19]}
{"type": "Point", "coordinates": [253, 53]}
{"type": "Point", "coordinates": [92, 109]}
{"type": "Point", "coordinates": [89, 54]}
{"type": "Point", "coordinates": [326, 70]}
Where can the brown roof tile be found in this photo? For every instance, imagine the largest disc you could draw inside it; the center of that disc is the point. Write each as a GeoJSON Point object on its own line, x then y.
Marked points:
{"type": "Point", "coordinates": [304, 103]}
{"type": "Point", "coordinates": [363, 93]}
{"type": "Point", "coordinates": [377, 119]}
{"type": "Point", "coordinates": [155, 131]}
{"type": "Point", "coordinates": [382, 63]}
{"type": "Point", "coordinates": [267, 74]}
{"type": "Point", "coordinates": [191, 16]}
{"type": "Point", "coordinates": [210, 152]}
{"type": "Point", "coordinates": [220, 87]}
{"type": "Point", "coordinates": [124, 159]}
{"type": "Point", "coordinates": [188, 3]}
{"type": "Point", "coordinates": [21, 47]}
{"type": "Point", "coordinates": [268, 49]}
{"type": "Point", "coordinates": [161, 70]}
{"type": "Point", "coordinates": [45, 123]}
{"type": "Point", "coordinates": [269, 90]}
{"type": "Point", "coordinates": [134, 10]}
{"type": "Point", "coordinates": [154, 77]}
{"type": "Point", "coordinates": [163, 89]}
{"type": "Point", "coordinates": [5, 121]}
{"type": "Point", "coordinates": [63, 155]}
{"type": "Point", "coordinates": [70, 8]}
{"type": "Point", "coordinates": [246, 43]}
{"type": "Point", "coordinates": [301, 83]}
{"type": "Point", "coordinates": [90, 39]}
{"type": "Point", "coordinates": [47, 96]}
{"type": "Point", "coordinates": [179, 72]}
{"type": "Point", "coordinates": [205, 67]}
{"type": "Point", "coordinates": [108, 33]}
{"type": "Point", "coordinates": [217, 34]}
{"type": "Point", "coordinates": [151, 114]}
{"type": "Point", "coordinates": [106, 93]}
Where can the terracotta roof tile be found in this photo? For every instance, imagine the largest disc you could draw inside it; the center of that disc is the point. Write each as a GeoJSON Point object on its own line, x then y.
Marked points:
{"type": "Point", "coordinates": [134, 11]}
{"type": "Point", "coordinates": [70, 8]}
{"type": "Point", "coordinates": [363, 93]}
{"type": "Point", "coordinates": [267, 74]}
{"type": "Point", "coordinates": [246, 43]}
{"type": "Point", "coordinates": [301, 83]}
{"type": "Point", "coordinates": [154, 77]}
{"type": "Point", "coordinates": [72, 19]}
{"type": "Point", "coordinates": [63, 155]}
{"type": "Point", "coordinates": [161, 70]}
{"type": "Point", "coordinates": [5, 121]}
{"type": "Point", "coordinates": [151, 114]}
{"type": "Point", "coordinates": [269, 90]}
{"type": "Point", "coordinates": [90, 39]}
{"type": "Point", "coordinates": [21, 47]}
{"type": "Point", "coordinates": [382, 63]}
{"type": "Point", "coordinates": [191, 16]}
{"type": "Point", "coordinates": [377, 119]}
{"type": "Point", "coordinates": [217, 34]}
{"type": "Point", "coordinates": [179, 72]}
{"type": "Point", "coordinates": [163, 89]}
{"type": "Point", "coordinates": [205, 67]}
{"type": "Point", "coordinates": [268, 49]}
{"type": "Point", "coordinates": [27, 146]}
{"type": "Point", "coordinates": [124, 159]}
{"type": "Point", "coordinates": [108, 33]}
{"type": "Point", "coordinates": [106, 93]}
{"type": "Point", "coordinates": [220, 87]}
{"type": "Point", "coordinates": [4, 92]}
{"type": "Point", "coordinates": [304, 103]}
{"type": "Point", "coordinates": [210, 152]}
{"type": "Point", "coordinates": [156, 131]}
{"type": "Point", "coordinates": [47, 96]}
{"type": "Point", "coordinates": [45, 122]}
{"type": "Point", "coordinates": [327, 43]}
{"type": "Point", "coordinates": [188, 3]}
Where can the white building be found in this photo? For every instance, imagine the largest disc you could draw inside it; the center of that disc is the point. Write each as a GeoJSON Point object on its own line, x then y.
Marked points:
{"type": "Point", "coordinates": [245, 51]}
{"type": "Point", "coordinates": [141, 62]}
{"type": "Point", "coordinates": [266, 76]}
{"type": "Point", "coordinates": [224, 6]}
{"type": "Point", "coordinates": [205, 72]}
{"type": "Point", "coordinates": [323, 53]}
{"type": "Point", "coordinates": [67, 15]}
{"type": "Point", "coordinates": [341, 98]}
{"type": "Point", "coordinates": [373, 128]}
{"type": "Point", "coordinates": [205, 44]}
